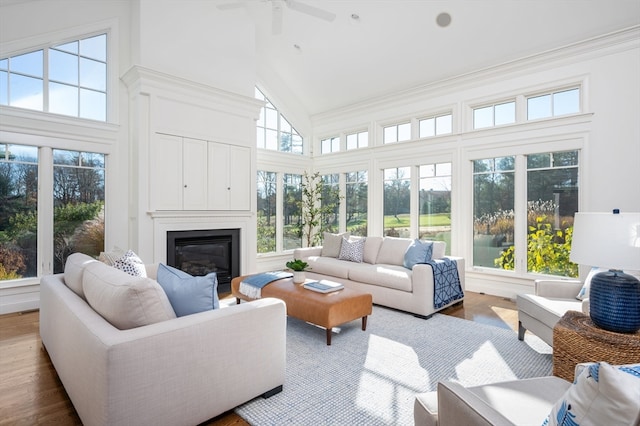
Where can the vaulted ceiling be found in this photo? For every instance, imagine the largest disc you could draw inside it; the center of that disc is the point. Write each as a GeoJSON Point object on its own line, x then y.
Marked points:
{"type": "Point", "coordinates": [378, 47]}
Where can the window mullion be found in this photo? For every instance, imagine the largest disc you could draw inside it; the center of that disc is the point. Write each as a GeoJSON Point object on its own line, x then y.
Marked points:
{"type": "Point", "coordinates": [45, 211]}
{"type": "Point", "coordinates": [520, 214]}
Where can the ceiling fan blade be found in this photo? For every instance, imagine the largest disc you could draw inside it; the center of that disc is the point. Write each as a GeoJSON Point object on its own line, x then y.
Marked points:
{"type": "Point", "coordinates": [310, 10]}
{"type": "Point", "coordinates": [276, 19]}
{"type": "Point", "coordinates": [231, 6]}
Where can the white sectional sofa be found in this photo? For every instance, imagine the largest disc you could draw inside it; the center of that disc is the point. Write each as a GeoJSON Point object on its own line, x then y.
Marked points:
{"type": "Point", "coordinates": [158, 369]}
{"type": "Point", "coordinates": [382, 273]}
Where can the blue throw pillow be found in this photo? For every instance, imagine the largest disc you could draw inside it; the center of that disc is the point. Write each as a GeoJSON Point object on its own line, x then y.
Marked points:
{"type": "Point", "coordinates": [188, 294]}
{"type": "Point", "coordinates": [418, 252]}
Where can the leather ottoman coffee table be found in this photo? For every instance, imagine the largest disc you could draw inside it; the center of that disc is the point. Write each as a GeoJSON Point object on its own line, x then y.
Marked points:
{"type": "Point", "coordinates": [326, 310]}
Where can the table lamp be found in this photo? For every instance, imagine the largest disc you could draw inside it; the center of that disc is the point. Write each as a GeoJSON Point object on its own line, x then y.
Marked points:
{"type": "Point", "coordinates": [610, 240]}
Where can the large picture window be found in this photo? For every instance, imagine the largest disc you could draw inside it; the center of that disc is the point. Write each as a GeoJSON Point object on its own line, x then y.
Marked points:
{"type": "Point", "coordinates": [356, 199]}
{"type": "Point", "coordinates": [18, 211]}
{"type": "Point", "coordinates": [73, 183]}
{"type": "Point", "coordinates": [291, 214]}
{"type": "Point", "coordinates": [544, 220]}
{"type": "Point", "coordinates": [78, 194]}
{"type": "Point", "coordinates": [397, 202]}
{"type": "Point", "coordinates": [267, 204]}
{"type": "Point", "coordinates": [435, 203]}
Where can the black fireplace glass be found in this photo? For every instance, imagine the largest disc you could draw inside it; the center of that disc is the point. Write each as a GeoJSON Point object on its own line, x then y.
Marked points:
{"type": "Point", "coordinates": [200, 252]}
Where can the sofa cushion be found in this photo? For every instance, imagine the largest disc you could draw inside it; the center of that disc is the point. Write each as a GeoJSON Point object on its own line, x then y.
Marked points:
{"type": "Point", "coordinates": [352, 251]}
{"type": "Point", "coordinates": [392, 250]}
{"type": "Point", "coordinates": [332, 243]}
{"type": "Point", "coordinates": [329, 266]}
{"type": "Point", "coordinates": [123, 300]}
{"type": "Point", "coordinates": [189, 294]}
{"type": "Point", "coordinates": [371, 249]}
{"type": "Point", "coordinates": [601, 395]}
{"type": "Point", "coordinates": [391, 276]}
{"type": "Point", "coordinates": [418, 252]}
{"type": "Point", "coordinates": [131, 264]}
{"type": "Point", "coordinates": [73, 271]}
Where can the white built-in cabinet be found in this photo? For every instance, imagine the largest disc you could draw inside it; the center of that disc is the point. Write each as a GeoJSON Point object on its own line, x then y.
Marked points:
{"type": "Point", "coordinates": [193, 174]}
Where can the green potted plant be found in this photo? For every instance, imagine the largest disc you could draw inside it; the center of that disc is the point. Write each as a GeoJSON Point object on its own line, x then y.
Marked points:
{"type": "Point", "coordinates": [298, 266]}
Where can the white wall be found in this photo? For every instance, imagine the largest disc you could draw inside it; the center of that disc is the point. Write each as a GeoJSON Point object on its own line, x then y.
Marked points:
{"type": "Point", "coordinates": [193, 40]}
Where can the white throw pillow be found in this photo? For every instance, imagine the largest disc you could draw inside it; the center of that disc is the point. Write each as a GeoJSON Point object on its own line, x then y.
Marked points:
{"type": "Point", "coordinates": [331, 243]}
{"type": "Point", "coordinates": [131, 264]}
{"type": "Point", "coordinates": [601, 395]}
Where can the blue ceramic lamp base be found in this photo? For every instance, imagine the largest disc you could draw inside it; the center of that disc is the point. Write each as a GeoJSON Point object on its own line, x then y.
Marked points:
{"type": "Point", "coordinates": [614, 299]}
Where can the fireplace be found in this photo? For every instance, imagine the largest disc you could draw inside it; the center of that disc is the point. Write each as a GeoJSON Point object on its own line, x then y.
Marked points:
{"type": "Point", "coordinates": [200, 252]}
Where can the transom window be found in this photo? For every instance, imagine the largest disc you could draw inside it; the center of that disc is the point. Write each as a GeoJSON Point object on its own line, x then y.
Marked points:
{"type": "Point", "coordinates": [68, 79]}
{"type": "Point", "coordinates": [357, 140]}
{"type": "Point", "coordinates": [494, 115]}
{"type": "Point", "coordinates": [274, 132]}
{"type": "Point", "coordinates": [553, 104]}
{"type": "Point", "coordinates": [330, 144]}
{"type": "Point", "coordinates": [434, 126]}
{"type": "Point", "coordinates": [397, 133]}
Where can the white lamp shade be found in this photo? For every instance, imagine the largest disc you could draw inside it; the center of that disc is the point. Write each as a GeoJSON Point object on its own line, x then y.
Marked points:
{"type": "Point", "coordinates": [607, 240]}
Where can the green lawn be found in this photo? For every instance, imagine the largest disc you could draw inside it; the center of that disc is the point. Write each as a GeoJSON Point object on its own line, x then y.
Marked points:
{"type": "Point", "coordinates": [403, 220]}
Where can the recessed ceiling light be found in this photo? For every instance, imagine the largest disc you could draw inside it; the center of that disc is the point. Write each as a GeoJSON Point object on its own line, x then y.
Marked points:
{"type": "Point", "coordinates": [443, 19]}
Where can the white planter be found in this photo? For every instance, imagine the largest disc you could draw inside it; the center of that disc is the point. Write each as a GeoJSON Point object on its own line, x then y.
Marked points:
{"type": "Point", "coordinates": [298, 277]}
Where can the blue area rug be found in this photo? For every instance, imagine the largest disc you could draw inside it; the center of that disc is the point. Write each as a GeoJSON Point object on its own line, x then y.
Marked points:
{"type": "Point", "coordinates": [371, 377]}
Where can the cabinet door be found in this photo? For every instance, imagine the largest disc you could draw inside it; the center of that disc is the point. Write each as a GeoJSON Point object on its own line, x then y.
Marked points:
{"type": "Point", "coordinates": [166, 173]}
{"type": "Point", "coordinates": [194, 174]}
{"type": "Point", "coordinates": [219, 176]}
{"type": "Point", "coordinates": [240, 178]}
{"type": "Point", "coordinates": [229, 177]}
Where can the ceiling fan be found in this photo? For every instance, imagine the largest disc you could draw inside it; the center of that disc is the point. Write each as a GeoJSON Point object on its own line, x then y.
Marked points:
{"type": "Point", "coordinates": [277, 7]}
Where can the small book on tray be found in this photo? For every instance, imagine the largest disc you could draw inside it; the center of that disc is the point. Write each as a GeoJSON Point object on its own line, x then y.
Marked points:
{"type": "Point", "coordinates": [323, 286]}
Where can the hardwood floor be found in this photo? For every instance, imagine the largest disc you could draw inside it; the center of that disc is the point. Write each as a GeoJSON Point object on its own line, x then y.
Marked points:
{"type": "Point", "coordinates": [31, 393]}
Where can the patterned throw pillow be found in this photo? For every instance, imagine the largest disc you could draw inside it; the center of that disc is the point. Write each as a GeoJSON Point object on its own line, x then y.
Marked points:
{"type": "Point", "coordinates": [131, 264]}
{"type": "Point", "coordinates": [601, 395]}
{"type": "Point", "coordinates": [353, 251]}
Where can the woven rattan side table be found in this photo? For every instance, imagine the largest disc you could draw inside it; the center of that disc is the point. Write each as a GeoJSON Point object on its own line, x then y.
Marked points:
{"type": "Point", "coordinates": [576, 339]}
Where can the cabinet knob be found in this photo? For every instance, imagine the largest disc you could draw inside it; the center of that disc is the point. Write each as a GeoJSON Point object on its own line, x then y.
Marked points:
{"type": "Point", "coordinates": [228, 188]}
{"type": "Point", "coordinates": [185, 186]}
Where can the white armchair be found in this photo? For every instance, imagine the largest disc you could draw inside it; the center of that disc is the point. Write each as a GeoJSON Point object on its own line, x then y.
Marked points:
{"type": "Point", "coordinates": [540, 312]}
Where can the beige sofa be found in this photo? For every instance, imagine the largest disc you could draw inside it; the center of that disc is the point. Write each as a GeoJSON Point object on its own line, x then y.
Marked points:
{"type": "Point", "coordinates": [176, 371]}
{"type": "Point", "coordinates": [382, 274]}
